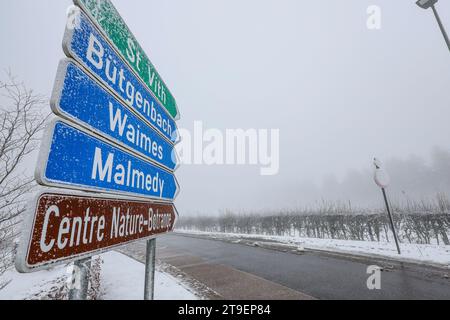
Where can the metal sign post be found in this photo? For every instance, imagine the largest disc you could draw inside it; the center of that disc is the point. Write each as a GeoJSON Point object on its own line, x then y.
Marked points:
{"type": "Point", "coordinates": [382, 179]}
{"type": "Point", "coordinates": [80, 275]}
{"type": "Point", "coordinates": [391, 220]}
{"type": "Point", "coordinates": [149, 289]}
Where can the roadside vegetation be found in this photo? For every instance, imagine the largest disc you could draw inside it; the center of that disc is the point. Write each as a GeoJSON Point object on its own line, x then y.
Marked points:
{"type": "Point", "coordinates": [420, 222]}
{"type": "Point", "coordinates": [21, 125]}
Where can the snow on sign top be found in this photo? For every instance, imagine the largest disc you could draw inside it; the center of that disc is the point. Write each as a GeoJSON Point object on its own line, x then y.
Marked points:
{"type": "Point", "coordinates": [105, 16]}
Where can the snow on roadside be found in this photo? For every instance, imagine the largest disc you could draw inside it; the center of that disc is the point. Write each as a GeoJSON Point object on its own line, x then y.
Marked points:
{"type": "Point", "coordinates": [31, 285]}
{"type": "Point", "coordinates": [122, 279]}
{"type": "Point", "coordinates": [421, 253]}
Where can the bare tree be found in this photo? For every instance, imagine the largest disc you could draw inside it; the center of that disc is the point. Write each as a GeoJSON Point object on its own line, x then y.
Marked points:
{"type": "Point", "coordinates": [21, 121]}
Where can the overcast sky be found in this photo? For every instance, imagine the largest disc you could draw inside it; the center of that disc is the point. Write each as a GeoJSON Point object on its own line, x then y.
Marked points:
{"type": "Point", "coordinates": [339, 93]}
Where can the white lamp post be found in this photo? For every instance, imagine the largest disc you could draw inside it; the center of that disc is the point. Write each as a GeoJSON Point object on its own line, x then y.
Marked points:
{"type": "Point", "coordinates": [383, 180]}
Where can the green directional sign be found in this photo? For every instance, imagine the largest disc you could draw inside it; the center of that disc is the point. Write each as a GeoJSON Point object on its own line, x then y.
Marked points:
{"type": "Point", "coordinates": [106, 17]}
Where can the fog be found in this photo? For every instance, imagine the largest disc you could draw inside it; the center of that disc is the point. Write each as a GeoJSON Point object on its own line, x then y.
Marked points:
{"type": "Point", "coordinates": [339, 93]}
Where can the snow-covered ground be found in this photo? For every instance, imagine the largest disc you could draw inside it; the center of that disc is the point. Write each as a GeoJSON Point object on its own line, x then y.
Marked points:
{"type": "Point", "coordinates": [426, 254]}
{"type": "Point", "coordinates": [32, 285]}
{"type": "Point", "coordinates": [122, 278]}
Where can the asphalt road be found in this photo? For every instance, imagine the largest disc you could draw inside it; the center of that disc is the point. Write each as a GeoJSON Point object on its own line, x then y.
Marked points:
{"type": "Point", "coordinates": [319, 275]}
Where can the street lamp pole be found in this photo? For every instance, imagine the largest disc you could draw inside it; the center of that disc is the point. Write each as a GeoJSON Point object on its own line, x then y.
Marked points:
{"type": "Point", "coordinates": [425, 4]}
{"type": "Point", "coordinates": [441, 26]}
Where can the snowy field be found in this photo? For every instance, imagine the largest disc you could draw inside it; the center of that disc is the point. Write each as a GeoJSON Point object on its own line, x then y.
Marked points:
{"type": "Point", "coordinates": [420, 253]}
{"type": "Point", "coordinates": [122, 278]}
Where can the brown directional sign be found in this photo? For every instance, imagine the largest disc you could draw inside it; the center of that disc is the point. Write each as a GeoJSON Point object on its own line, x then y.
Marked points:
{"type": "Point", "coordinates": [64, 227]}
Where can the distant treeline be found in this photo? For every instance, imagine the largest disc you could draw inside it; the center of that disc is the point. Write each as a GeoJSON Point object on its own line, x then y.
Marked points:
{"type": "Point", "coordinates": [421, 223]}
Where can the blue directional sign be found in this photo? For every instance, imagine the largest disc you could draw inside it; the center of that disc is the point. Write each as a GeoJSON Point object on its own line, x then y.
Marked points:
{"type": "Point", "coordinates": [87, 46]}
{"type": "Point", "coordinates": [74, 159]}
{"type": "Point", "coordinates": [81, 99]}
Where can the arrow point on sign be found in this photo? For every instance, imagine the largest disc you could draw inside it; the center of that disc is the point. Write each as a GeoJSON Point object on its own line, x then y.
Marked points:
{"type": "Point", "coordinates": [177, 117]}
{"type": "Point", "coordinates": [175, 159]}
{"type": "Point", "coordinates": [58, 85]}
{"type": "Point", "coordinates": [177, 189]}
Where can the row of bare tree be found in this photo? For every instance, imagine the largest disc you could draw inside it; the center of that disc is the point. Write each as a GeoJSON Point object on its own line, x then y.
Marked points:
{"type": "Point", "coordinates": [432, 225]}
